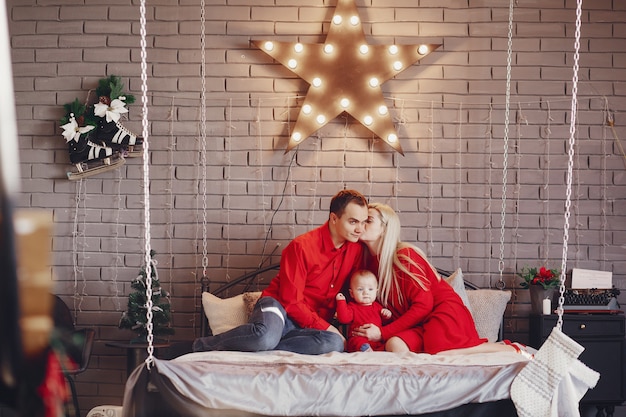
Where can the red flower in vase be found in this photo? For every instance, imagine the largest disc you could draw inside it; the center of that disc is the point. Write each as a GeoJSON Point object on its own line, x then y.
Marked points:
{"type": "Point", "coordinates": [547, 278]}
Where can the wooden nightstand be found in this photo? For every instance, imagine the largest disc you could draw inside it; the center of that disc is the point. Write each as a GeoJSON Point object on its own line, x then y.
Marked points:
{"type": "Point", "coordinates": [602, 336]}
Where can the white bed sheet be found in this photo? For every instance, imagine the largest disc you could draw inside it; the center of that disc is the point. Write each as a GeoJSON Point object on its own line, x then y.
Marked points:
{"type": "Point", "coordinates": [281, 383]}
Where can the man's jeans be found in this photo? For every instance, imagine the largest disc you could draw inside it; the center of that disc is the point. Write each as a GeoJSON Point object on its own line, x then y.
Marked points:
{"type": "Point", "coordinates": [269, 328]}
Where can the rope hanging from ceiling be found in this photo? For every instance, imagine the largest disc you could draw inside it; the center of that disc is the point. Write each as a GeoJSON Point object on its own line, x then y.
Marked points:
{"type": "Point", "coordinates": [146, 187]}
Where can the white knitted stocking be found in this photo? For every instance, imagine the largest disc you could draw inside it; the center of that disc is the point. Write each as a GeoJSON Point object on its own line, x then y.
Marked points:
{"type": "Point", "coordinates": [572, 388]}
{"type": "Point", "coordinates": [533, 388]}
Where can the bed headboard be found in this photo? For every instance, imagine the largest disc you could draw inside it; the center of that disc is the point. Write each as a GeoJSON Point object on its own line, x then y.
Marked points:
{"type": "Point", "coordinates": [245, 281]}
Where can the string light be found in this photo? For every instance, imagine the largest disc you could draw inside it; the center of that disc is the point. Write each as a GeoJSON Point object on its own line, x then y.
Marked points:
{"type": "Point", "coordinates": [344, 81]}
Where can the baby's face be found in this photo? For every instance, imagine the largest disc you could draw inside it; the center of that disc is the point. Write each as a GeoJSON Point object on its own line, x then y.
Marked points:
{"type": "Point", "coordinates": [363, 289]}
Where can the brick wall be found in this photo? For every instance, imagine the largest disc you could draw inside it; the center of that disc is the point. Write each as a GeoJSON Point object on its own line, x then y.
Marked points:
{"type": "Point", "coordinates": [449, 111]}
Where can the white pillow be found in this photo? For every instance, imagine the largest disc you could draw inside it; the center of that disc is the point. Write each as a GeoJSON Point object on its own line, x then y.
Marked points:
{"type": "Point", "coordinates": [226, 313]}
{"type": "Point", "coordinates": [456, 282]}
{"type": "Point", "coordinates": [488, 308]}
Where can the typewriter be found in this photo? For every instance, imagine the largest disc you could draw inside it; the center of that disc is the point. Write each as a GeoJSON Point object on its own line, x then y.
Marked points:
{"type": "Point", "coordinates": [591, 300]}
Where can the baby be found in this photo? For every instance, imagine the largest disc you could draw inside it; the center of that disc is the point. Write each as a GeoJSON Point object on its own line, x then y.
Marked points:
{"type": "Point", "coordinates": [362, 310]}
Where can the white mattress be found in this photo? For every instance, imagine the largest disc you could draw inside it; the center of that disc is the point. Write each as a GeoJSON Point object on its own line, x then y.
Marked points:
{"type": "Point", "coordinates": [281, 383]}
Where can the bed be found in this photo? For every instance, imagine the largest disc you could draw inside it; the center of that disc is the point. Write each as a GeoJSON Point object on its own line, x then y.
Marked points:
{"type": "Point", "coordinates": [280, 383]}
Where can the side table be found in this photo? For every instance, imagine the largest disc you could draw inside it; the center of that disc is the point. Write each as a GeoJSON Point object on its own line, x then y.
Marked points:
{"type": "Point", "coordinates": [136, 353]}
{"type": "Point", "coordinates": [603, 337]}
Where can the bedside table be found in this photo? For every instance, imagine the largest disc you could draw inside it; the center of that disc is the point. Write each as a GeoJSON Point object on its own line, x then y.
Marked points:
{"type": "Point", "coordinates": [602, 336]}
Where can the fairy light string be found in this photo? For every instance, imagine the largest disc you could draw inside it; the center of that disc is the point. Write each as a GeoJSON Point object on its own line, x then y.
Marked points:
{"type": "Point", "coordinates": [431, 162]}
{"type": "Point", "coordinates": [316, 179]}
{"type": "Point", "coordinates": [546, 187]}
{"type": "Point", "coordinates": [117, 259]}
{"type": "Point", "coordinates": [603, 196]}
{"type": "Point", "coordinates": [517, 189]}
{"type": "Point", "coordinates": [488, 194]}
{"type": "Point", "coordinates": [169, 230]}
{"type": "Point", "coordinates": [460, 199]}
{"type": "Point", "coordinates": [79, 244]}
{"type": "Point", "coordinates": [228, 177]}
{"type": "Point", "coordinates": [370, 168]}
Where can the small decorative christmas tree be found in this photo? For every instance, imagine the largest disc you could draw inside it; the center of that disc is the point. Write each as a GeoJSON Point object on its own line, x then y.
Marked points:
{"type": "Point", "coordinates": [135, 317]}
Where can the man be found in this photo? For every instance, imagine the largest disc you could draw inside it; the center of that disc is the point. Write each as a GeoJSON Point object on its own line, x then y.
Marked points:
{"type": "Point", "coordinates": [295, 310]}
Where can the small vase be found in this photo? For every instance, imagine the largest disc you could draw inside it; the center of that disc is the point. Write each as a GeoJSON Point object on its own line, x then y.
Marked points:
{"type": "Point", "coordinates": [537, 295]}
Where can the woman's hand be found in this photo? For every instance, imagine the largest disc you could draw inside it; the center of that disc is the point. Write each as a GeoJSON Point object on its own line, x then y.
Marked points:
{"type": "Point", "coordinates": [370, 331]}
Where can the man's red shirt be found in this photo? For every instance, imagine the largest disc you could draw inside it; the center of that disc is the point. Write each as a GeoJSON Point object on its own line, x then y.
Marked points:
{"type": "Point", "coordinates": [312, 272]}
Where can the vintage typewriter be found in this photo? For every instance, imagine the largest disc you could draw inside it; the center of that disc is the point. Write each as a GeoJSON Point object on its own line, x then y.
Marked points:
{"type": "Point", "coordinates": [591, 300]}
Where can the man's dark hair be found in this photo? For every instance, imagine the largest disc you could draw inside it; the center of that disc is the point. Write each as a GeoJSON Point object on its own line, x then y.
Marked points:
{"type": "Point", "coordinates": [344, 197]}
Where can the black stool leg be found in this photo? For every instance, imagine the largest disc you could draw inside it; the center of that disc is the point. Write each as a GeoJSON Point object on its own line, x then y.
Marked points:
{"type": "Point", "coordinates": [70, 380]}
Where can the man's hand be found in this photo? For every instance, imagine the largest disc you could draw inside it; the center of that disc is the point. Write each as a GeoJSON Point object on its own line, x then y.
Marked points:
{"type": "Point", "coordinates": [370, 331]}
{"type": "Point", "coordinates": [340, 296]}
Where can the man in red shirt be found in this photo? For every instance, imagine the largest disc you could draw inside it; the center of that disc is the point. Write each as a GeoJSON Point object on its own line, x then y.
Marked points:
{"type": "Point", "coordinates": [295, 310]}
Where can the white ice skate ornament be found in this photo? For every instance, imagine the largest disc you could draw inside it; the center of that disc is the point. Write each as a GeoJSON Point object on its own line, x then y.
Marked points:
{"type": "Point", "coordinates": [96, 138]}
{"type": "Point", "coordinates": [88, 157]}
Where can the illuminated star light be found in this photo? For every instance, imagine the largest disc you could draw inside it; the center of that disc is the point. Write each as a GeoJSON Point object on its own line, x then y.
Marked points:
{"type": "Point", "coordinates": [345, 74]}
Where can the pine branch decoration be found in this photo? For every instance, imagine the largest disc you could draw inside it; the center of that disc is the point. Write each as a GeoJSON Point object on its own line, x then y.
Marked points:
{"type": "Point", "coordinates": [113, 87]}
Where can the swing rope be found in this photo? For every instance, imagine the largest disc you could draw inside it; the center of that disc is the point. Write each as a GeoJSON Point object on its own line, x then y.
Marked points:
{"type": "Point", "coordinates": [146, 187]}
{"type": "Point", "coordinates": [534, 391]}
{"type": "Point", "coordinates": [507, 109]}
{"type": "Point", "coordinates": [203, 136]}
{"type": "Point", "coordinates": [570, 162]}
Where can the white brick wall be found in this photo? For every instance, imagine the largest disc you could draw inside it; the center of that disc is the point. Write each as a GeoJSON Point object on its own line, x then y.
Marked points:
{"type": "Point", "coordinates": [447, 187]}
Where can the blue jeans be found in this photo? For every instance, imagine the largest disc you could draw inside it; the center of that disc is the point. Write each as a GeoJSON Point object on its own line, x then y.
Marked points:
{"type": "Point", "coordinates": [269, 328]}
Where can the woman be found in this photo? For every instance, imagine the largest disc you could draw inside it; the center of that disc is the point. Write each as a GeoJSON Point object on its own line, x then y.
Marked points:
{"type": "Point", "coordinates": [428, 315]}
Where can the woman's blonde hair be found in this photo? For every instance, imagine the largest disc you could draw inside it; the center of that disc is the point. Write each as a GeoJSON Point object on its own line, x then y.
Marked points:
{"type": "Point", "coordinates": [389, 259]}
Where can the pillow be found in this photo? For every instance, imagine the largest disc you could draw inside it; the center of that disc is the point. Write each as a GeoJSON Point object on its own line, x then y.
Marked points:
{"type": "Point", "coordinates": [249, 300]}
{"type": "Point", "coordinates": [456, 282]}
{"type": "Point", "coordinates": [488, 308]}
{"type": "Point", "coordinates": [226, 313]}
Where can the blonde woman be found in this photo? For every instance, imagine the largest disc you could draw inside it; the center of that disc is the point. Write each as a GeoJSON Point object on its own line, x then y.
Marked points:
{"type": "Point", "coordinates": [428, 316]}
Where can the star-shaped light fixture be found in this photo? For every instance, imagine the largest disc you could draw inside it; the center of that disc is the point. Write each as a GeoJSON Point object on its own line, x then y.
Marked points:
{"type": "Point", "coordinates": [345, 74]}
